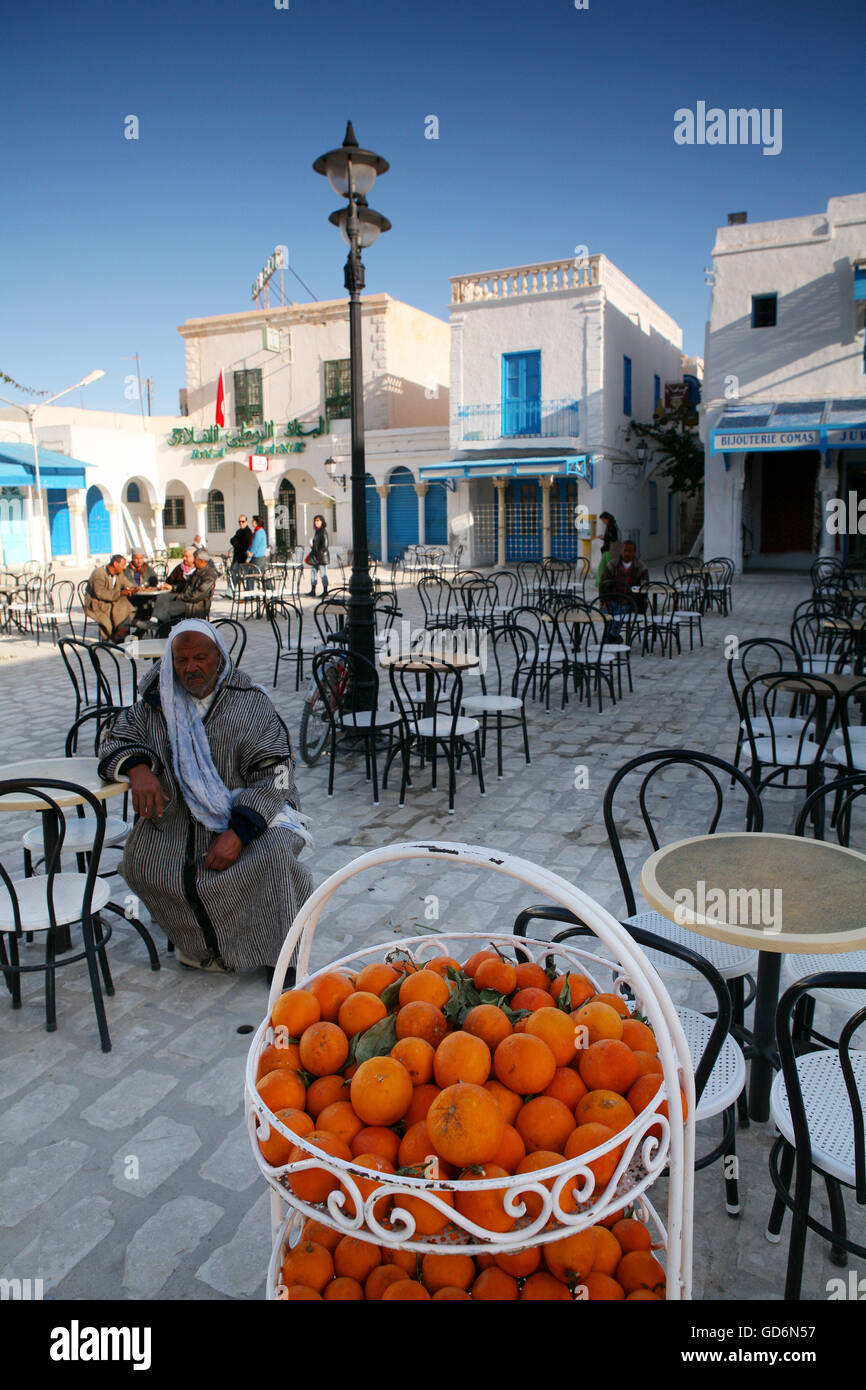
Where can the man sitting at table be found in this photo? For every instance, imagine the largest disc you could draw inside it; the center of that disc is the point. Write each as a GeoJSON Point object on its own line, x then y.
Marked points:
{"type": "Point", "coordinates": [214, 852]}
{"type": "Point", "coordinates": [140, 573]}
{"type": "Point", "coordinates": [622, 576]}
{"type": "Point", "coordinates": [107, 599]}
{"type": "Point", "coordinates": [191, 599]}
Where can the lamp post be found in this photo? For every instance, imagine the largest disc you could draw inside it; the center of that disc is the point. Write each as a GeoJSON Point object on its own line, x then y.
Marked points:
{"type": "Point", "coordinates": [30, 412]}
{"type": "Point", "coordinates": [351, 173]}
{"type": "Point", "coordinates": [331, 467]}
{"type": "Point", "coordinates": [641, 453]}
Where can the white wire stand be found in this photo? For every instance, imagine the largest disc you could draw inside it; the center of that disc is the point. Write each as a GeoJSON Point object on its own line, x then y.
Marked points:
{"type": "Point", "coordinates": [645, 1155]}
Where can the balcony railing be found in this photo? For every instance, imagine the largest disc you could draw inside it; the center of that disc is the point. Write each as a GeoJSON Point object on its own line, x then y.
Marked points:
{"type": "Point", "coordinates": [542, 278]}
{"type": "Point", "coordinates": [519, 420]}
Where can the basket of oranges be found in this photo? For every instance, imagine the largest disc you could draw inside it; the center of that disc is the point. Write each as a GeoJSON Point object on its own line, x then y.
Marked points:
{"type": "Point", "coordinates": [492, 1101]}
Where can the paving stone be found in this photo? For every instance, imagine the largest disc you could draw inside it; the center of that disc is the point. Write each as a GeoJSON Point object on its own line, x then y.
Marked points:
{"type": "Point", "coordinates": [232, 1165]}
{"type": "Point", "coordinates": [157, 1247]}
{"type": "Point", "coordinates": [147, 1158]}
{"type": "Point", "coordinates": [129, 1099]}
{"type": "Point", "coordinates": [34, 1058]}
{"type": "Point", "coordinates": [238, 1268]}
{"type": "Point", "coordinates": [26, 1188]}
{"type": "Point", "coordinates": [67, 1237]}
{"type": "Point", "coordinates": [221, 1087]}
{"type": "Point", "coordinates": [42, 1106]}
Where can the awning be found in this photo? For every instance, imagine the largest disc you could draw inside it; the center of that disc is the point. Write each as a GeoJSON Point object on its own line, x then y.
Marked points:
{"type": "Point", "coordinates": [564, 466]}
{"type": "Point", "coordinates": [791, 425]}
{"type": "Point", "coordinates": [860, 280]}
{"type": "Point", "coordinates": [17, 468]}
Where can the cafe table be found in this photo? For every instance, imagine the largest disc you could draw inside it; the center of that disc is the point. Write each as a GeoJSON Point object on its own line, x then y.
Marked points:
{"type": "Point", "coordinates": [811, 899]}
{"type": "Point", "coordinates": [428, 661]}
{"type": "Point", "coordinates": [148, 648]}
{"type": "Point", "coordinates": [80, 771]}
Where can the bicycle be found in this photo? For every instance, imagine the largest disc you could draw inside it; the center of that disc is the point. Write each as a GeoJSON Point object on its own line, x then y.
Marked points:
{"type": "Point", "coordinates": [315, 723]}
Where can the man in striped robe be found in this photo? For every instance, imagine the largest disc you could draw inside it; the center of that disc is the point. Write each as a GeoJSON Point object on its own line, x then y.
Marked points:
{"type": "Point", "coordinates": [213, 853]}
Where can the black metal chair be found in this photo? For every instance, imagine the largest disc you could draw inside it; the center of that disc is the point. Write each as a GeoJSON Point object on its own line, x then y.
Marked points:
{"type": "Point", "coordinates": [234, 634]}
{"type": "Point", "coordinates": [784, 754]}
{"type": "Point", "coordinates": [434, 723]}
{"type": "Point", "coordinates": [757, 656]}
{"type": "Point", "coordinates": [336, 682]}
{"type": "Point", "coordinates": [817, 1104]}
{"type": "Point", "coordinates": [436, 597]}
{"type": "Point", "coordinates": [718, 574]}
{"type": "Point", "coordinates": [511, 655]}
{"type": "Point", "coordinates": [287, 624]}
{"type": "Point", "coordinates": [116, 675]}
{"type": "Point", "coordinates": [81, 671]}
{"type": "Point", "coordinates": [719, 1065]}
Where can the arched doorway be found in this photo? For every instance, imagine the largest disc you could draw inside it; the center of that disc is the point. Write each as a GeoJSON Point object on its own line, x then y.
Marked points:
{"type": "Point", "coordinates": [285, 518]}
{"type": "Point", "coordinates": [58, 521]}
{"type": "Point", "coordinates": [402, 512]}
{"type": "Point", "coordinates": [374, 519]}
{"type": "Point", "coordinates": [98, 523]}
{"type": "Point", "coordinates": [436, 514]}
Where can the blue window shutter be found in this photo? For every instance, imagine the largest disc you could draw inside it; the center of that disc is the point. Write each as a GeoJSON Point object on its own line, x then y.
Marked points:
{"type": "Point", "coordinates": [626, 385]}
{"type": "Point", "coordinates": [521, 393]}
{"type": "Point", "coordinates": [657, 390]}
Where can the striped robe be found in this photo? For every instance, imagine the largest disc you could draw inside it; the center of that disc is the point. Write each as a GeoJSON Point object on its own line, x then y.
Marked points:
{"type": "Point", "coordinates": [243, 912]}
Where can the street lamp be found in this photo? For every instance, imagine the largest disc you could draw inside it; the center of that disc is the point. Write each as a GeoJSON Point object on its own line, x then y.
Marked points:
{"type": "Point", "coordinates": [351, 173]}
{"type": "Point", "coordinates": [30, 412]}
{"type": "Point", "coordinates": [331, 467]}
{"type": "Point", "coordinates": [641, 453]}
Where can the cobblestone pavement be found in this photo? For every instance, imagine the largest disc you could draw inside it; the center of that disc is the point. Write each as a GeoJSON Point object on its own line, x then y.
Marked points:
{"type": "Point", "coordinates": [167, 1102]}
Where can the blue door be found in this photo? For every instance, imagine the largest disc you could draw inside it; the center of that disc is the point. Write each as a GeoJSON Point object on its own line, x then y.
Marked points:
{"type": "Point", "coordinates": [98, 523]}
{"type": "Point", "coordinates": [522, 520]}
{"type": "Point", "coordinates": [374, 521]}
{"type": "Point", "coordinates": [402, 512]}
{"type": "Point", "coordinates": [521, 393]}
{"type": "Point", "coordinates": [436, 515]}
{"type": "Point", "coordinates": [58, 521]}
{"type": "Point", "coordinates": [14, 531]}
{"type": "Point", "coordinates": [564, 540]}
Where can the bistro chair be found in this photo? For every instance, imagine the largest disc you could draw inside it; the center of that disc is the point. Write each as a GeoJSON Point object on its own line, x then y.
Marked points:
{"type": "Point", "coordinates": [508, 594]}
{"type": "Point", "coordinates": [435, 724]}
{"type": "Point", "coordinates": [330, 616]}
{"type": "Point", "coordinates": [479, 599]}
{"type": "Point", "coordinates": [660, 621]}
{"type": "Point", "coordinates": [287, 624]}
{"type": "Point", "coordinates": [59, 614]}
{"type": "Point", "coordinates": [81, 590]}
{"type": "Point", "coordinates": [821, 648]}
{"type": "Point", "coordinates": [816, 1104]}
{"type": "Point", "coordinates": [337, 673]}
{"type": "Point", "coordinates": [718, 575]}
{"type": "Point", "coordinates": [234, 634]}
{"type": "Point", "coordinates": [717, 1059]}
{"type": "Point", "coordinates": [591, 663]}
{"type": "Point", "coordinates": [774, 754]}
{"type": "Point", "coordinates": [754, 657]}
{"type": "Point", "coordinates": [81, 672]}
{"type": "Point", "coordinates": [549, 657]}
{"type": "Point", "coordinates": [249, 593]}
{"type": "Point", "coordinates": [436, 595]}
{"type": "Point", "coordinates": [50, 904]}
{"type": "Point", "coordinates": [512, 655]}
{"type": "Point", "coordinates": [116, 675]}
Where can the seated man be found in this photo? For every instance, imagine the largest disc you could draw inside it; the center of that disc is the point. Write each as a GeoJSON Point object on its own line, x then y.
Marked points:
{"type": "Point", "coordinates": [191, 598]}
{"type": "Point", "coordinates": [143, 576]}
{"type": "Point", "coordinates": [213, 854]}
{"type": "Point", "coordinates": [107, 599]}
{"type": "Point", "coordinates": [619, 579]}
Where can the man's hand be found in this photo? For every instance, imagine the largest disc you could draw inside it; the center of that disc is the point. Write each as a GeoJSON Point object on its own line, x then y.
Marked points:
{"type": "Point", "coordinates": [224, 851]}
{"type": "Point", "coordinates": [148, 798]}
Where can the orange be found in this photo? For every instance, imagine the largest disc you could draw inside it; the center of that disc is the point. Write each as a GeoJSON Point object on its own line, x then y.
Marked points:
{"type": "Point", "coordinates": [475, 960]}
{"type": "Point", "coordinates": [324, 1048]}
{"type": "Point", "coordinates": [278, 1054]}
{"type": "Point", "coordinates": [409, 1291]}
{"type": "Point", "coordinates": [421, 1019]}
{"type": "Point", "coordinates": [531, 999]}
{"type": "Point", "coordinates": [442, 964]}
{"type": "Point", "coordinates": [495, 1284]}
{"type": "Point", "coordinates": [615, 1001]}
{"type": "Point", "coordinates": [381, 1091]}
{"type": "Point", "coordinates": [557, 1030]}
{"type": "Point", "coordinates": [608, 1065]}
{"type": "Point", "coordinates": [639, 1036]}
{"type": "Point", "coordinates": [331, 990]}
{"type": "Point", "coordinates": [599, 1020]}
{"type": "Point", "coordinates": [367, 1185]}
{"type": "Point", "coordinates": [424, 986]}
{"type": "Point", "coordinates": [344, 1290]}
{"type": "Point", "coordinates": [496, 974]}
{"type": "Point", "coordinates": [648, 1064]}
{"type": "Point", "coordinates": [307, 1263]}
{"type": "Point", "coordinates": [580, 988]}
{"type": "Point", "coordinates": [313, 1184]}
{"type": "Point", "coordinates": [542, 1287]}
{"type": "Point", "coordinates": [531, 976]}
{"type": "Point", "coordinates": [632, 1235]}
{"type": "Point", "coordinates": [416, 1146]}
{"type": "Point", "coordinates": [641, 1270]}
{"type": "Point", "coordinates": [378, 1281]}
{"type": "Point", "coordinates": [324, 1091]}
{"type": "Point", "coordinates": [376, 977]}
{"type": "Point", "coordinates": [508, 1101]}
{"type": "Point", "coordinates": [486, 1207]}
{"type": "Point", "coordinates": [407, 1260]}
{"type": "Point", "coordinates": [583, 1140]}
{"type": "Point", "coordinates": [531, 1164]}
{"type": "Point", "coordinates": [356, 1259]}
{"type": "Point", "coordinates": [447, 1272]}
{"type": "Point", "coordinates": [600, 1287]}
{"type": "Point", "coordinates": [428, 1220]}
{"type": "Point", "coordinates": [511, 1151]}
{"type": "Point", "coordinates": [643, 1093]}
{"type": "Point", "coordinates": [376, 1139]}
{"type": "Point", "coordinates": [571, 1258]}
{"type": "Point", "coordinates": [300, 1292]}
{"type": "Point", "coordinates": [465, 1124]}
{"type": "Point", "coordinates": [461, 1057]}
{"type": "Point", "coordinates": [524, 1064]}
{"type": "Point", "coordinates": [605, 1108]}
{"type": "Point", "coordinates": [359, 1012]}
{"type": "Point", "coordinates": [451, 1295]}
{"type": "Point", "coordinates": [520, 1263]}
{"type": "Point", "coordinates": [416, 1056]}
{"type": "Point", "coordinates": [422, 1098]}
{"type": "Point", "coordinates": [296, 1010]}
{"type": "Point", "coordinates": [340, 1119]}
{"type": "Point", "coordinates": [643, 1294]}
{"type": "Point", "coordinates": [487, 1022]}
{"type": "Point", "coordinates": [608, 1251]}
{"type": "Point", "coordinates": [544, 1123]}
{"type": "Point", "coordinates": [276, 1148]}
{"type": "Point", "coordinates": [566, 1086]}
{"type": "Point", "coordinates": [282, 1089]}
{"type": "Point", "coordinates": [320, 1233]}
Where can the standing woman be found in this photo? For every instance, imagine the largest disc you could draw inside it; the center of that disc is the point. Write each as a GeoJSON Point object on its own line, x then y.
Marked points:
{"type": "Point", "coordinates": [610, 544]}
{"type": "Point", "coordinates": [318, 556]}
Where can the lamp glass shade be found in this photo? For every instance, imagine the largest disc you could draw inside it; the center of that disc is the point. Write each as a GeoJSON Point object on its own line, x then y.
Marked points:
{"type": "Point", "coordinates": [370, 224]}
{"type": "Point", "coordinates": [364, 171]}
{"type": "Point", "coordinates": [331, 467]}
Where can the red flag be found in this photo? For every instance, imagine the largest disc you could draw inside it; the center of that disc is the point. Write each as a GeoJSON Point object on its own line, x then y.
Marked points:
{"type": "Point", "coordinates": [221, 403]}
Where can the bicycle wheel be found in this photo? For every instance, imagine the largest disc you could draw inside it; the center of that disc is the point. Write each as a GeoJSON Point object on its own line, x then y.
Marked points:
{"type": "Point", "coordinates": [314, 729]}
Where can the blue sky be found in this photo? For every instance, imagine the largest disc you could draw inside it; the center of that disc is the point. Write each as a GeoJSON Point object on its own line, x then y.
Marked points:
{"type": "Point", "coordinates": [555, 130]}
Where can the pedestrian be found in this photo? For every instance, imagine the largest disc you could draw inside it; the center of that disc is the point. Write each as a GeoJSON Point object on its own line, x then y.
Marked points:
{"type": "Point", "coordinates": [317, 558]}
{"type": "Point", "coordinates": [610, 544]}
{"type": "Point", "coordinates": [258, 549]}
{"type": "Point", "coordinates": [240, 544]}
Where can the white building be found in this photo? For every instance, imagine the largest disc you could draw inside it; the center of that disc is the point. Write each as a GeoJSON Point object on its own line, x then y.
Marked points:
{"type": "Point", "coordinates": [549, 363]}
{"type": "Point", "coordinates": [784, 412]}
{"type": "Point", "coordinates": [158, 481]}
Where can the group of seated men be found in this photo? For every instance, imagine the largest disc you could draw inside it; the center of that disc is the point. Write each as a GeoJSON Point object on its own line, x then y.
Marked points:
{"type": "Point", "coordinates": [128, 598]}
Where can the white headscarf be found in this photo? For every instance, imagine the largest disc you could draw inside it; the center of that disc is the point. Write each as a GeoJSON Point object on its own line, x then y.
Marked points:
{"type": "Point", "coordinates": [204, 791]}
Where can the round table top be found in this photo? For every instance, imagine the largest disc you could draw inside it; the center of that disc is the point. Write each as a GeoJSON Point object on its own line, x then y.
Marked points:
{"type": "Point", "coordinates": [807, 895]}
{"type": "Point", "coordinates": [845, 624]}
{"type": "Point", "coordinates": [421, 661]}
{"type": "Point", "coordinates": [800, 685]}
{"type": "Point", "coordinates": [149, 648]}
{"type": "Point", "coordinates": [81, 771]}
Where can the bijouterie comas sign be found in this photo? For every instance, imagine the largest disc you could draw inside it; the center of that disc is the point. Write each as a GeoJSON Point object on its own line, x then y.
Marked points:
{"type": "Point", "coordinates": [732, 441]}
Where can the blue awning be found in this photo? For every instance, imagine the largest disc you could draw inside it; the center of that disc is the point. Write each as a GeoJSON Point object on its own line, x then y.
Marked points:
{"type": "Point", "coordinates": [770, 425]}
{"type": "Point", "coordinates": [17, 468]}
{"type": "Point", "coordinates": [860, 280]}
{"type": "Point", "coordinates": [563, 466]}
